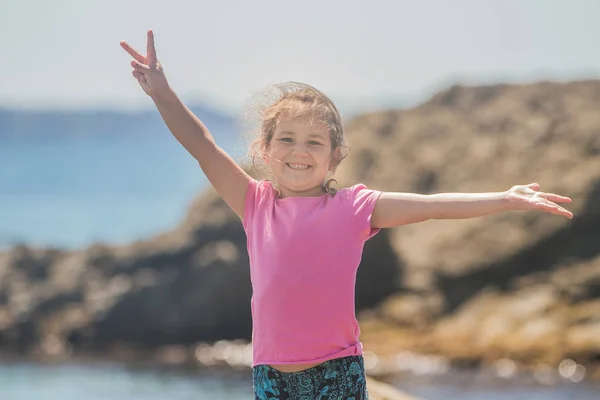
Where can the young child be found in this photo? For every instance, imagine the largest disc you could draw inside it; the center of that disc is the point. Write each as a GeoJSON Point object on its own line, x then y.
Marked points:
{"type": "Point", "coordinates": [305, 237]}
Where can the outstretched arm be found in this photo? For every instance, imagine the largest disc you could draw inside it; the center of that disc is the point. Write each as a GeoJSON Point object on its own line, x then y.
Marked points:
{"type": "Point", "coordinates": [226, 176]}
{"type": "Point", "coordinates": [395, 209]}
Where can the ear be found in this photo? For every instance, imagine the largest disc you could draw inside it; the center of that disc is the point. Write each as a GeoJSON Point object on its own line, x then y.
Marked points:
{"type": "Point", "coordinates": [336, 156]}
{"type": "Point", "coordinates": [265, 155]}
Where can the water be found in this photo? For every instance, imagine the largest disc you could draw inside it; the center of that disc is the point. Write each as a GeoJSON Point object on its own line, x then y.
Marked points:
{"type": "Point", "coordinates": [113, 382]}
{"type": "Point", "coordinates": [71, 191]}
{"type": "Point", "coordinates": [478, 385]}
{"type": "Point", "coordinates": [23, 381]}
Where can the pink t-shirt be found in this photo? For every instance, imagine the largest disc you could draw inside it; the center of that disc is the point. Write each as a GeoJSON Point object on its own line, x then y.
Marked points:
{"type": "Point", "coordinates": [304, 254]}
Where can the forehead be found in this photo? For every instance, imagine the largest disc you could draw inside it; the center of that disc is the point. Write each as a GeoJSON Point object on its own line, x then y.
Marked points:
{"type": "Point", "coordinates": [301, 125]}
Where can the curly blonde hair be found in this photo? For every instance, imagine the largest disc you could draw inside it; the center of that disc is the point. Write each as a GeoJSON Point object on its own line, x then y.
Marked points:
{"type": "Point", "coordinates": [295, 99]}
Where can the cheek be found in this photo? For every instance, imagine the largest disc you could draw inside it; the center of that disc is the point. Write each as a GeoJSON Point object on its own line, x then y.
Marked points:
{"type": "Point", "coordinates": [326, 155]}
{"type": "Point", "coordinates": [325, 162]}
{"type": "Point", "coordinates": [273, 154]}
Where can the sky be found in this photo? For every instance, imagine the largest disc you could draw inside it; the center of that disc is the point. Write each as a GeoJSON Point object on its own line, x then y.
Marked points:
{"type": "Point", "coordinates": [365, 54]}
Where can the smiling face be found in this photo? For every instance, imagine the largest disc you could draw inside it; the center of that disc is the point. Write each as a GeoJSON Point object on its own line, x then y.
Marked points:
{"type": "Point", "coordinates": [300, 156]}
{"type": "Point", "coordinates": [301, 139]}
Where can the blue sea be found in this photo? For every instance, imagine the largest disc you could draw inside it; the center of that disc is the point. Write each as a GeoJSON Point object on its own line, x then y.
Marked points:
{"type": "Point", "coordinates": [70, 191]}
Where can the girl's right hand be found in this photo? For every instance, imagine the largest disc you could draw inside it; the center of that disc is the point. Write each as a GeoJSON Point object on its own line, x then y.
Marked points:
{"type": "Point", "coordinates": [146, 69]}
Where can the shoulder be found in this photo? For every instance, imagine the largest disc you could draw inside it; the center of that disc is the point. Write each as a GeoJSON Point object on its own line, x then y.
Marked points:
{"type": "Point", "coordinates": [261, 187]}
{"type": "Point", "coordinates": [260, 193]}
{"type": "Point", "coordinates": [360, 202]}
{"type": "Point", "coordinates": [358, 198]}
{"type": "Point", "coordinates": [358, 193]}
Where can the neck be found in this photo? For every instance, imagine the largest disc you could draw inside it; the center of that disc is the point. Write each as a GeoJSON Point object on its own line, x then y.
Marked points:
{"type": "Point", "coordinates": [314, 192]}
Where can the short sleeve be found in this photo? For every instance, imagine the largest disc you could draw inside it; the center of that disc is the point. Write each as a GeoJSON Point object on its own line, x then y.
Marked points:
{"type": "Point", "coordinates": [363, 204]}
{"type": "Point", "coordinates": [258, 192]}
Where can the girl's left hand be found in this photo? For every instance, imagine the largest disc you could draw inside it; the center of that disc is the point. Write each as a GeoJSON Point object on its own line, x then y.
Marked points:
{"type": "Point", "coordinates": [528, 197]}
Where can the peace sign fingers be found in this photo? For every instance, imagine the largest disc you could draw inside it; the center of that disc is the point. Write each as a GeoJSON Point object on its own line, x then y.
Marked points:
{"type": "Point", "coordinates": [146, 69]}
{"type": "Point", "coordinates": [150, 58]}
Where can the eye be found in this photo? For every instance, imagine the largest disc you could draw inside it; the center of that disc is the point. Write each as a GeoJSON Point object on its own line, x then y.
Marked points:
{"type": "Point", "coordinates": [315, 143]}
{"type": "Point", "coordinates": [286, 139]}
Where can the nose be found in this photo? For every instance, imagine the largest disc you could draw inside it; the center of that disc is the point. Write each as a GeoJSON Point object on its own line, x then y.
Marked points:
{"type": "Point", "coordinates": [300, 149]}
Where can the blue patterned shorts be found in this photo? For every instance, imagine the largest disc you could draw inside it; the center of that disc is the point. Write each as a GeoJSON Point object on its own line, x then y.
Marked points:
{"type": "Point", "coordinates": [339, 379]}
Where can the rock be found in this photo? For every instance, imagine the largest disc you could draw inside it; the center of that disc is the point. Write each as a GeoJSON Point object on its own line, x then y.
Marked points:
{"type": "Point", "coordinates": [507, 280]}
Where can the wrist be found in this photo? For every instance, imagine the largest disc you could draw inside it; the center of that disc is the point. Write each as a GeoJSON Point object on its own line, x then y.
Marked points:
{"type": "Point", "coordinates": [164, 96]}
{"type": "Point", "coordinates": [507, 202]}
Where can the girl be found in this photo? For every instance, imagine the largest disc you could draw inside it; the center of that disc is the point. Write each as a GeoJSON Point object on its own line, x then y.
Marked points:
{"type": "Point", "coordinates": [305, 237]}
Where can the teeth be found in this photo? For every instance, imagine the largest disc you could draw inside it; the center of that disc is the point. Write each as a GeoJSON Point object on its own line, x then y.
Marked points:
{"type": "Point", "coordinates": [298, 166]}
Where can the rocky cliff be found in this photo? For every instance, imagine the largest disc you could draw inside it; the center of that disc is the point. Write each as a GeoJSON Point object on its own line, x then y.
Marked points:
{"type": "Point", "coordinates": [515, 285]}
{"type": "Point", "coordinates": [519, 286]}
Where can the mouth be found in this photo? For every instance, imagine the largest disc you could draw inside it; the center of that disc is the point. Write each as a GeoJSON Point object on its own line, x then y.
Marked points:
{"type": "Point", "coordinates": [299, 167]}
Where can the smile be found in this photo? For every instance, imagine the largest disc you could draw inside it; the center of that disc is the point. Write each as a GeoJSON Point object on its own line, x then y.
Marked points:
{"type": "Point", "coordinates": [298, 166]}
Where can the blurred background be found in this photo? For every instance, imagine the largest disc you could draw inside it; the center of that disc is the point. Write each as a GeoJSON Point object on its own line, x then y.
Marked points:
{"type": "Point", "coordinates": [122, 274]}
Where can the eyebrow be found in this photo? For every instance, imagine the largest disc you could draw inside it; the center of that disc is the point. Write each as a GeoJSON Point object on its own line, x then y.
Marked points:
{"type": "Point", "coordinates": [318, 135]}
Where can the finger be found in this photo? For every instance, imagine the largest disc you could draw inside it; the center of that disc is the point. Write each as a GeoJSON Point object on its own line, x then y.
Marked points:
{"type": "Point", "coordinates": [558, 198]}
{"type": "Point", "coordinates": [132, 52]}
{"type": "Point", "coordinates": [555, 209]}
{"type": "Point", "coordinates": [534, 186]}
{"type": "Point", "coordinates": [525, 189]}
{"type": "Point", "coordinates": [141, 78]}
{"type": "Point", "coordinates": [138, 66]}
{"type": "Point", "coordinates": [562, 211]}
{"type": "Point", "coordinates": [150, 50]}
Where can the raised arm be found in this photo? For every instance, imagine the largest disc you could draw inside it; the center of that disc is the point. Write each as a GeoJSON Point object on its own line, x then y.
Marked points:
{"type": "Point", "coordinates": [226, 176]}
{"type": "Point", "coordinates": [395, 209]}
